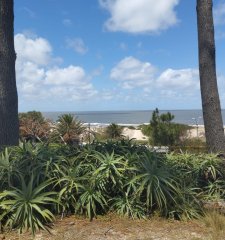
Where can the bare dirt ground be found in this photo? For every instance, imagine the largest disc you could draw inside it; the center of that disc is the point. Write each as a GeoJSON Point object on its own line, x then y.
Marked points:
{"type": "Point", "coordinates": [115, 228]}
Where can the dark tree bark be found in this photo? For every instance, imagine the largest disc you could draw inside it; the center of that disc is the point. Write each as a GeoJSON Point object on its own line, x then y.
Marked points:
{"type": "Point", "coordinates": [207, 67]}
{"type": "Point", "coordinates": [9, 126]}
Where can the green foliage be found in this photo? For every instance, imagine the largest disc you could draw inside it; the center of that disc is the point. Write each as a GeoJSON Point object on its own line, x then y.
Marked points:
{"type": "Point", "coordinates": [68, 130]}
{"type": "Point", "coordinates": [32, 115]}
{"type": "Point", "coordinates": [192, 145]}
{"type": "Point", "coordinates": [110, 168]}
{"type": "Point", "coordinates": [119, 176]}
{"type": "Point", "coordinates": [91, 200]}
{"type": "Point", "coordinates": [156, 185]}
{"type": "Point", "coordinates": [8, 170]}
{"type": "Point", "coordinates": [187, 204]}
{"type": "Point", "coordinates": [113, 131]}
{"type": "Point", "coordinates": [24, 207]}
{"type": "Point", "coordinates": [33, 127]}
{"type": "Point", "coordinates": [129, 206]}
{"type": "Point", "coordinates": [162, 131]}
{"type": "Point", "coordinates": [69, 178]}
{"type": "Point", "coordinates": [145, 129]}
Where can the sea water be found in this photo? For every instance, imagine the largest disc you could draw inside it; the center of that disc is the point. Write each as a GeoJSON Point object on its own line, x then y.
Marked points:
{"type": "Point", "coordinates": [190, 117]}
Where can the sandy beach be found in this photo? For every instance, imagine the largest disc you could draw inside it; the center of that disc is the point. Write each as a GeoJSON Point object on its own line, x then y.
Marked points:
{"type": "Point", "coordinates": [196, 132]}
{"type": "Point", "coordinates": [138, 135]}
{"type": "Point", "coordinates": [135, 133]}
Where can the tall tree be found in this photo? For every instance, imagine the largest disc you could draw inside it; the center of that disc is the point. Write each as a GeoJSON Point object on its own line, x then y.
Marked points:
{"type": "Point", "coordinates": [9, 126]}
{"type": "Point", "coordinates": [207, 67]}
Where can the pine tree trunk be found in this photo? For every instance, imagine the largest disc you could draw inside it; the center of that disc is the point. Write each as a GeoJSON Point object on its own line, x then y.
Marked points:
{"type": "Point", "coordinates": [9, 126]}
{"type": "Point", "coordinates": [207, 67]}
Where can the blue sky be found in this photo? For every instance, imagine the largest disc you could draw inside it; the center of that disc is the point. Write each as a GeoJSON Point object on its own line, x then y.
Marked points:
{"type": "Point", "coordinates": [80, 55]}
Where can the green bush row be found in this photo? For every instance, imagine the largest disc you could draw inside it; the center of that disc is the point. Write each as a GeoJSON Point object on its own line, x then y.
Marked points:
{"type": "Point", "coordinates": [39, 181]}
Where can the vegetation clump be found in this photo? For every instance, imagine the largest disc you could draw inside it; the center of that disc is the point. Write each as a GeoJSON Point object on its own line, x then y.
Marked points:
{"type": "Point", "coordinates": [33, 127]}
{"type": "Point", "coordinates": [162, 131]}
{"type": "Point", "coordinates": [42, 180]}
{"type": "Point", "coordinates": [68, 129]}
{"type": "Point", "coordinates": [53, 174]}
{"type": "Point", "coordinates": [113, 131]}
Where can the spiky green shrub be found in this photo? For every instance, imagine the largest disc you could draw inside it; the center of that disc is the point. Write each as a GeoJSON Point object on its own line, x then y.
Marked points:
{"type": "Point", "coordinates": [9, 171]}
{"type": "Point", "coordinates": [67, 130]}
{"type": "Point", "coordinates": [26, 206]}
{"type": "Point", "coordinates": [196, 170]}
{"type": "Point", "coordinates": [156, 185]}
{"type": "Point", "coordinates": [92, 200]}
{"type": "Point", "coordinates": [113, 131]}
{"type": "Point", "coordinates": [129, 206]}
{"type": "Point", "coordinates": [110, 170]}
{"type": "Point", "coordinates": [118, 176]}
{"type": "Point", "coordinates": [69, 178]}
{"type": "Point", "coordinates": [200, 177]}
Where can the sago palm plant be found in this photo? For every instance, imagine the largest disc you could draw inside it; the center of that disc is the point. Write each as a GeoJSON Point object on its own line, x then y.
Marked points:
{"type": "Point", "coordinates": [128, 206]}
{"type": "Point", "coordinates": [110, 171]}
{"type": "Point", "coordinates": [113, 131]}
{"type": "Point", "coordinates": [26, 207]}
{"type": "Point", "coordinates": [69, 181]}
{"type": "Point", "coordinates": [33, 159]}
{"type": "Point", "coordinates": [156, 186]}
{"type": "Point", "coordinates": [92, 200]}
{"type": "Point", "coordinates": [9, 170]}
{"type": "Point", "coordinates": [69, 129]}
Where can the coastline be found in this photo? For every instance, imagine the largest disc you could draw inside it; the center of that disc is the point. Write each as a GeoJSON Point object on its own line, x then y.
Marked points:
{"type": "Point", "coordinates": [129, 117]}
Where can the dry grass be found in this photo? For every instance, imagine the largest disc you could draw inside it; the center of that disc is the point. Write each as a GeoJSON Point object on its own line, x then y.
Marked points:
{"type": "Point", "coordinates": [112, 227]}
{"type": "Point", "coordinates": [215, 222]}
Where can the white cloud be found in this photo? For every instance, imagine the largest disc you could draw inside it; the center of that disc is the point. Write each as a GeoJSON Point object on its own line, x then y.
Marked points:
{"type": "Point", "coordinates": [71, 75]}
{"type": "Point", "coordinates": [37, 50]}
{"type": "Point", "coordinates": [187, 79]}
{"type": "Point", "coordinates": [144, 79]}
{"type": "Point", "coordinates": [28, 71]}
{"type": "Point", "coordinates": [77, 44]}
{"type": "Point", "coordinates": [76, 93]}
{"type": "Point", "coordinates": [132, 73]}
{"type": "Point", "coordinates": [140, 16]}
{"type": "Point", "coordinates": [38, 79]}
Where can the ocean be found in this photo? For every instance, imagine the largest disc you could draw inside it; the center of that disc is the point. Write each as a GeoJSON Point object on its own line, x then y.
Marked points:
{"type": "Point", "coordinates": [190, 117]}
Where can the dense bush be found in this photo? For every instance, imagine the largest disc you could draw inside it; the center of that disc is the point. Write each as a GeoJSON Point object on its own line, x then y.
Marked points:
{"type": "Point", "coordinates": [67, 130]}
{"type": "Point", "coordinates": [113, 131]}
{"type": "Point", "coordinates": [33, 115]}
{"type": "Point", "coordinates": [39, 181]}
{"type": "Point", "coordinates": [33, 127]}
{"type": "Point", "coordinates": [162, 131]}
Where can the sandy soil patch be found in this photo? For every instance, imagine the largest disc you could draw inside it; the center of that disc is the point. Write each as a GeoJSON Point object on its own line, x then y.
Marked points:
{"type": "Point", "coordinates": [115, 228]}
{"type": "Point", "coordinates": [134, 133]}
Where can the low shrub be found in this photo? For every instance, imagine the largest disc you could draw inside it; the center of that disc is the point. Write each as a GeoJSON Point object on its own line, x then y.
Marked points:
{"type": "Point", "coordinates": [119, 176]}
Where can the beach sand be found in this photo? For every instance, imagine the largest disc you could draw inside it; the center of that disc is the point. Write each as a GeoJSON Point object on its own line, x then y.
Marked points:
{"type": "Point", "coordinates": [196, 132]}
{"type": "Point", "coordinates": [138, 135]}
{"type": "Point", "coordinates": [134, 133]}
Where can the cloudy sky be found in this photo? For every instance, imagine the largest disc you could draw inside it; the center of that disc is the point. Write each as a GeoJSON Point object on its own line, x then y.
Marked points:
{"type": "Point", "coordinates": [80, 55]}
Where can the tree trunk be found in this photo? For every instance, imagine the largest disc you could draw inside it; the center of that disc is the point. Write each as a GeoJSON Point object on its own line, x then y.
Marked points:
{"type": "Point", "coordinates": [207, 67]}
{"type": "Point", "coordinates": [9, 126]}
